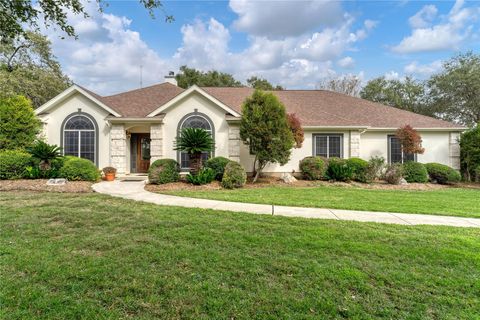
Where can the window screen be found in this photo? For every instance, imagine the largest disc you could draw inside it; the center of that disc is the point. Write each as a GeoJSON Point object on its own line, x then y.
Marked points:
{"type": "Point", "coordinates": [79, 138]}
{"type": "Point", "coordinates": [328, 145]}
{"type": "Point", "coordinates": [396, 155]}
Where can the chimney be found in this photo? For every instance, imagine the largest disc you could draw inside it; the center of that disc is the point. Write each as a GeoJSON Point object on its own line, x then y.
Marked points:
{"type": "Point", "coordinates": [171, 78]}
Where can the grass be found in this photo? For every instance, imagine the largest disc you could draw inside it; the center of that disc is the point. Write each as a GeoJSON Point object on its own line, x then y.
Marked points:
{"type": "Point", "coordinates": [452, 201]}
{"type": "Point", "coordinates": [65, 256]}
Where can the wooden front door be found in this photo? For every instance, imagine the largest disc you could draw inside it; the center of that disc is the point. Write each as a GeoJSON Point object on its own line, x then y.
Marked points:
{"type": "Point", "coordinates": [140, 152]}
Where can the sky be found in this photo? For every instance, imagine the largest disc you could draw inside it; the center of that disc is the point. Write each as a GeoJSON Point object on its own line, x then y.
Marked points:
{"type": "Point", "coordinates": [296, 44]}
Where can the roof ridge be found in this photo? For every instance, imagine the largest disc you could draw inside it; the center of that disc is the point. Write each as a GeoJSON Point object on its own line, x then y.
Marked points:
{"type": "Point", "coordinates": [139, 89]}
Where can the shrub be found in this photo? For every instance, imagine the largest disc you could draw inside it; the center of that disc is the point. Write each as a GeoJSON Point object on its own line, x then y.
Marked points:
{"type": "Point", "coordinates": [375, 168]}
{"type": "Point", "coordinates": [313, 168]}
{"type": "Point", "coordinates": [164, 171]}
{"type": "Point", "coordinates": [359, 169]}
{"type": "Point", "coordinates": [338, 170]}
{"type": "Point", "coordinates": [470, 153]}
{"type": "Point", "coordinates": [394, 173]}
{"type": "Point", "coordinates": [34, 172]}
{"type": "Point", "coordinates": [217, 164]}
{"type": "Point", "coordinates": [234, 176]}
{"type": "Point", "coordinates": [13, 164]}
{"type": "Point", "coordinates": [45, 153]}
{"type": "Point", "coordinates": [204, 176]}
{"type": "Point", "coordinates": [442, 174]}
{"type": "Point", "coordinates": [78, 169]}
{"type": "Point", "coordinates": [477, 174]}
{"type": "Point", "coordinates": [415, 172]}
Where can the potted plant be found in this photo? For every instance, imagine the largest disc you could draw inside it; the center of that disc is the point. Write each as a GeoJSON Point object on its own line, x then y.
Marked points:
{"type": "Point", "coordinates": [109, 173]}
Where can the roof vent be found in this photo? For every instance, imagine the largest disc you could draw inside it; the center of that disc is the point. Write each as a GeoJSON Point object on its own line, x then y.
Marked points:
{"type": "Point", "coordinates": [171, 78]}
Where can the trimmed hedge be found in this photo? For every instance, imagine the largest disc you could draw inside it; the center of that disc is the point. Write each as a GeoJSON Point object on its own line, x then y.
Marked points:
{"type": "Point", "coordinates": [164, 171]}
{"type": "Point", "coordinates": [415, 172]}
{"type": "Point", "coordinates": [217, 164]}
{"type": "Point", "coordinates": [359, 169]}
{"type": "Point", "coordinates": [78, 169]}
{"type": "Point", "coordinates": [338, 170]}
{"type": "Point", "coordinates": [204, 176]}
{"type": "Point", "coordinates": [442, 174]}
{"type": "Point", "coordinates": [234, 176]}
{"type": "Point", "coordinates": [13, 164]}
{"type": "Point", "coordinates": [394, 173]}
{"type": "Point", "coordinates": [313, 168]}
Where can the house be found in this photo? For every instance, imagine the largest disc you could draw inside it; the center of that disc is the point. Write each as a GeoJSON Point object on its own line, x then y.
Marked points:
{"type": "Point", "coordinates": [130, 130]}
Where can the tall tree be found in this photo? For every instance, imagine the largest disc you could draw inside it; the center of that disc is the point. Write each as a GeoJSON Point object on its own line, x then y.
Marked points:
{"type": "Point", "coordinates": [456, 90]}
{"type": "Point", "coordinates": [408, 94]}
{"type": "Point", "coordinates": [262, 84]}
{"type": "Point", "coordinates": [265, 129]}
{"type": "Point", "coordinates": [190, 76]}
{"type": "Point", "coordinates": [347, 84]}
{"type": "Point", "coordinates": [19, 16]}
{"type": "Point", "coordinates": [28, 68]}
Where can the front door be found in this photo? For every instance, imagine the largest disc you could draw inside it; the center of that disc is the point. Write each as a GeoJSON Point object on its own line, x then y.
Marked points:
{"type": "Point", "coordinates": [140, 146]}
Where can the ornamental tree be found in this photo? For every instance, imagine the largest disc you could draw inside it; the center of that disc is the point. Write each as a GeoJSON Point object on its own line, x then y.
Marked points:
{"type": "Point", "coordinates": [296, 128]}
{"type": "Point", "coordinates": [194, 141]}
{"type": "Point", "coordinates": [410, 140]}
{"type": "Point", "coordinates": [265, 129]}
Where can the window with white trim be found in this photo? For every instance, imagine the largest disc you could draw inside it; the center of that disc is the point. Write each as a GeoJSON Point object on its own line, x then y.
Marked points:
{"type": "Point", "coordinates": [395, 152]}
{"type": "Point", "coordinates": [195, 121]}
{"type": "Point", "coordinates": [328, 145]}
{"type": "Point", "coordinates": [79, 137]}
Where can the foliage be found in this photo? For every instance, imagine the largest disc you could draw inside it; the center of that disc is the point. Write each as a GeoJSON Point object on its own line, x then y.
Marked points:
{"type": "Point", "coordinates": [346, 84]}
{"type": "Point", "coordinates": [33, 171]}
{"type": "Point", "coordinates": [296, 128]}
{"type": "Point", "coordinates": [359, 169]}
{"type": "Point", "coordinates": [194, 141]}
{"type": "Point", "coordinates": [108, 170]}
{"type": "Point", "coordinates": [338, 170]}
{"type": "Point", "coordinates": [456, 89]}
{"type": "Point", "coordinates": [442, 174]}
{"type": "Point", "coordinates": [375, 168]}
{"type": "Point", "coordinates": [204, 176]}
{"type": "Point", "coordinates": [164, 171]}
{"type": "Point", "coordinates": [13, 164]}
{"type": "Point", "coordinates": [29, 68]}
{"type": "Point", "coordinates": [393, 173]}
{"type": "Point", "coordinates": [313, 168]}
{"type": "Point", "coordinates": [415, 172]}
{"type": "Point", "coordinates": [18, 124]}
{"type": "Point", "coordinates": [217, 164]}
{"type": "Point", "coordinates": [470, 152]}
{"type": "Point", "coordinates": [408, 94]}
{"type": "Point", "coordinates": [262, 84]}
{"type": "Point", "coordinates": [191, 76]}
{"type": "Point", "coordinates": [234, 176]}
{"type": "Point", "coordinates": [44, 152]}
{"type": "Point", "coordinates": [78, 169]}
{"type": "Point", "coordinates": [17, 17]}
{"type": "Point", "coordinates": [264, 128]}
{"type": "Point", "coordinates": [477, 174]}
{"type": "Point", "coordinates": [410, 140]}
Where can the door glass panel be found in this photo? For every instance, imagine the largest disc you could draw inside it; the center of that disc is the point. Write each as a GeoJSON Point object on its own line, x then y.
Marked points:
{"type": "Point", "coordinates": [145, 150]}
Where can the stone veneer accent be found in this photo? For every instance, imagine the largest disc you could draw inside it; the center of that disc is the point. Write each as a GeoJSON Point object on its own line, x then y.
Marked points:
{"type": "Point", "coordinates": [156, 142]}
{"type": "Point", "coordinates": [118, 147]}
{"type": "Point", "coordinates": [234, 142]}
{"type": "Point", "coordinates": [455, 150]}
{"type": "Point", "coordinates": [355, 144]}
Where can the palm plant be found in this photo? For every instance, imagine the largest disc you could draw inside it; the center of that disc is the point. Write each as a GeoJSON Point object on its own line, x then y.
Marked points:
{"type": "Point", "coordinates": [45, 153]}
{"type": "Point", "coordinates": [194, 141]}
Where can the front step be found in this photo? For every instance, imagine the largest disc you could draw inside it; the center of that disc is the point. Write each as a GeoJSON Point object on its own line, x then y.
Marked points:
{"type": "Point", "coordinates": [133, 178]}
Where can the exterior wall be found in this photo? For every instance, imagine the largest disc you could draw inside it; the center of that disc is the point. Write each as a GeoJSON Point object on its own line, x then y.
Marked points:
{"type": "Point", "coordinates": [156, 142]}
{"type": "Point", "coordinates": [118, 148]}
{"type": "Point", "coordinates": [55, 117]}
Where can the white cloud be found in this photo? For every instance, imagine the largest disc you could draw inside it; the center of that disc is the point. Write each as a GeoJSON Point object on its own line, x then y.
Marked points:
{"type": "Point", "coordinates": [284, 18]}
{"type": "Point", "coordinates": [424, 17]}
{"type": "Point", "coordinates": [449, 34]}
{"type": "Point", "coordinates": [346, 63]}
{"type": "Point", "coordinates": [424, 70]}
{"type": "Point", "coordinates": [392, 75]}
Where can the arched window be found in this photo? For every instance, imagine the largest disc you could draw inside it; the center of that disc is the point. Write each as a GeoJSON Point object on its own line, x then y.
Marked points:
{"type": "Point", "coordinates": [79, 135]}
{"type": "Point", "coordinates": [195, 120]}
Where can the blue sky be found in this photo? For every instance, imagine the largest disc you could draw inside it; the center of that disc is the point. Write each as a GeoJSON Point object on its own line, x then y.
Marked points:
{"type": "Point", "coordinates": [292, 43]}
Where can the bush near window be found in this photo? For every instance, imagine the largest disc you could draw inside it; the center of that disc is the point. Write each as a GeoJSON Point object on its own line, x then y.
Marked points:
{"type": "Point", "coordinates": [338, 170]}
{"type": "Point", "coordinates": [359, 169]}
{"type": "Point", "coordinates": [45, 153]}
{"type": "Point", "coordinates": [375, 168]}
{"type": "Point", "coordinates": [33, 171]}
{"type": "Point", "coordinates": [217, 164]}
{"type": "Point", "coordinates": [13, 164]}
{"type": "Point", "coordinates": [470, 152]}
{"type": "Point", "coordinates": [204, 176]}
{"type": "Point", "coordinates": [164, 171]}
{"type": "Point", "coordinates": [234, 176]}
{"type": "Point", "coordinates": [442, 174]}
{"type": "Point", "coordinates": [313, 168]}
{"type": "Point", "coordinates": [78, 169]}
{"type": "Point", "coordinates": [415, 172]}
{"type": "Point", "coordinates": [393, 173]}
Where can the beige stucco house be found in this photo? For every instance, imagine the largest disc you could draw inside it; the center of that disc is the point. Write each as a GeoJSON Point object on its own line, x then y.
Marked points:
{"type": "Point", "coordinates": [132, 129]}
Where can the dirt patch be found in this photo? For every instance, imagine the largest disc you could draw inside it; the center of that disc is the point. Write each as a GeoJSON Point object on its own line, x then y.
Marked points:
{"type": "Point", "coordinates": [41, 185]}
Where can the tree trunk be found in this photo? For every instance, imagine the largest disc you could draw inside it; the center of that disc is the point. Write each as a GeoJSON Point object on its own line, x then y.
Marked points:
{"type": "Point", "coordinates": [261, 165]}
{"type": "Point", "coordinates": [44, 165]}
{"type": "Point", "coordinates": [195, 163]}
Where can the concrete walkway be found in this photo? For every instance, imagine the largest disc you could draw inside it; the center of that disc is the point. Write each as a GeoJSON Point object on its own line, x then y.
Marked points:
{"type": "Point", "coordinates": [134, 190]}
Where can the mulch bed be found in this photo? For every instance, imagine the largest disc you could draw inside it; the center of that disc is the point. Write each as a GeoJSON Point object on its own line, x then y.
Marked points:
{"type": "Point", "coordinates": [41, 185]}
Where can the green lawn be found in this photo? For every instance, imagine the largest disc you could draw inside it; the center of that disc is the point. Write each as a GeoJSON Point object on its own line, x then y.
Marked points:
{"type": "Point", "coordinates": [451, 201]}
{"type": "Point", "coordinates": [65, 256]}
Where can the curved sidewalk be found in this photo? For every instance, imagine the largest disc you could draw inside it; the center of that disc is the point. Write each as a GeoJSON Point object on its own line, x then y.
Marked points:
{"type": "Point", "coordinates": [134, 190]}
